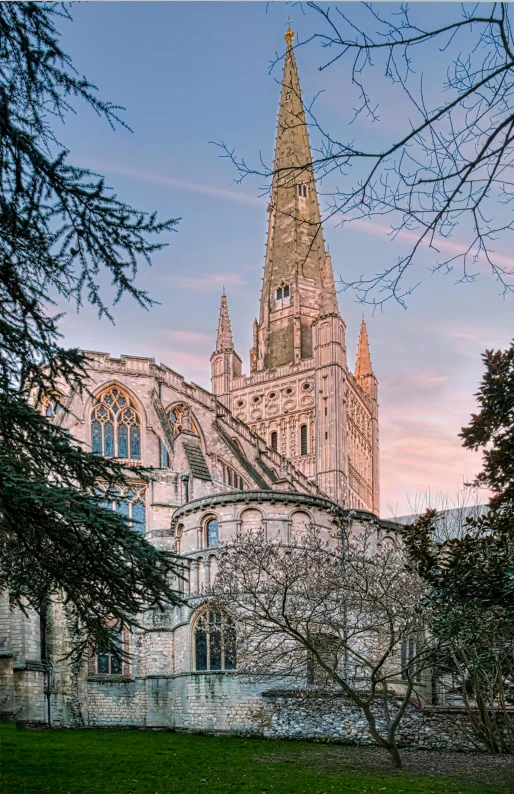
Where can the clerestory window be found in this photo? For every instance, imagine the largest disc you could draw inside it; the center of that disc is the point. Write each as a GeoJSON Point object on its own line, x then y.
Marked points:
{"type": "Point", "coordinates": [274, 440]}
{"type": "Point", "coordinates": [215, 642]}
{"type": "Point", "coordinates": [115, 425]}
{"type": "Point", "coordinates": [212, 532]}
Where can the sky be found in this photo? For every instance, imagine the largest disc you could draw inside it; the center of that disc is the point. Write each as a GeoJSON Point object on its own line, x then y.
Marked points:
{"type": "Point", "coordinates": [190, 74]}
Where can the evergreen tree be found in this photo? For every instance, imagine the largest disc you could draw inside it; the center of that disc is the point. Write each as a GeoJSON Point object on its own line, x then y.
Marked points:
{"type": "Point", "coordinates": [471, 577]}
{"type": "Point", "coordinates": [60, 228]}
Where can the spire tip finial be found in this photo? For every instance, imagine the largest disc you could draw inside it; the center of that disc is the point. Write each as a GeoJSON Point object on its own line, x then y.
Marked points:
{"type": "Point", "coordinates": [289, 36]}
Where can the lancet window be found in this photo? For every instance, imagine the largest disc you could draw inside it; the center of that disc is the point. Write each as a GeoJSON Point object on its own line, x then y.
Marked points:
{"type": "Point", "coordinates": [274, 440]}
{"type": "Point", "coordinates": [302, 190]}
{"type": "Point", "coordinates": [215, 641]}
{"type": "Point", "coordinates": [232, 478]}
{"type": "Point", "coordinates": [115, 425]}
{"type": "Point", "coordinates": [303, 440]}
{"type": "Point", "coordinates": [127, 500]}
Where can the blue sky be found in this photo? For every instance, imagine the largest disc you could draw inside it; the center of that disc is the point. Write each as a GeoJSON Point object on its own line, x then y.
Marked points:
{"type": "Point", "coordinates": [192, 73]}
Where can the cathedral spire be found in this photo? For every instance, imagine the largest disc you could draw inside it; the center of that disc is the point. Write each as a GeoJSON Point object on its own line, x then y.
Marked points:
{"type": "Point", "coordinates": [328, 303]}
{"type": "Point", "coordinates": [224, 340]}
{"type": "Point", "coordinates": [363, 366]}
{"type": "Point", "coordinates": [295, 261]}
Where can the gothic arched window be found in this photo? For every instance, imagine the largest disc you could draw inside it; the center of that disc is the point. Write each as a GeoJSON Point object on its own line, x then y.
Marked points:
{"type": "Point", "coordinates": [215, 641]}
{"type": "Point", "coordinates": [52, 406]}
{"type": "Point", "coordinates": [115, 425]}
{"type": "Point", "coordinates": [303, 440]}
{"type": "Point", "coordinates": [302, 190]}
{"type": "Point", "coordinates": [109, 663]}
{"type": "Point", "coordinates": [274, 440]}
{"type": "Point", "coordinates": [176, 419]}
{"type": "Point", "coordinates": [127, 500]}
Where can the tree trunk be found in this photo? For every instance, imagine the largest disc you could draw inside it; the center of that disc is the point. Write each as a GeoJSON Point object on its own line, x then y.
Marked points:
{"type": "Point", "coordinates": [395, 755]}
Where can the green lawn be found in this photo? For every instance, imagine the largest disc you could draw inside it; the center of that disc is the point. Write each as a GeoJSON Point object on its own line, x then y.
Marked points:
{"type": "Point", "coordinates": [132, 762]}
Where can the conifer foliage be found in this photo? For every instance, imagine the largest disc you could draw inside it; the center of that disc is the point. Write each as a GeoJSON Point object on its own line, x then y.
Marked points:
{"type": "Point", "coordinates": [471, 577]}
{"type": "Point", "coordinates": [60, 228]}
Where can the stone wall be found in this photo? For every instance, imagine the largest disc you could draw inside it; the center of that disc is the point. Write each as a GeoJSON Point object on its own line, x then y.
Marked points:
{"type": "Point", "coordinates": [224, 703]}
{"type": "Point", "coordinates": [338, 720]}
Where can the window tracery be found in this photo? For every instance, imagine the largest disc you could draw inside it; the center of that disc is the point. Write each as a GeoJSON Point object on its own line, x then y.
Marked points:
{"type": "Point", "coordinates": [180, 419]}
{"type": "Point", "coordinates": [215, 641]}
{"type": "Point", "coordinates": [127, 500]}
{"type": "Point", "coordinates": [115, 425]}
{"type": "Point", "coordinates": [107, 662]}
{"type": "Point", "coordinates": [52, 406]}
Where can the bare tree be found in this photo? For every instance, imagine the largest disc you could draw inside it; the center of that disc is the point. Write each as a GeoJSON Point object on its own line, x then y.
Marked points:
{"type": "Point", "coordinates": [451, 166]}
{"type": "Point", "coordinates": [338, 615]}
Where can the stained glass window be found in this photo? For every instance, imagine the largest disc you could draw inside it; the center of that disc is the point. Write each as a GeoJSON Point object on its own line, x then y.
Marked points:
{"type": "Point", "coordinates": [215, 642]}
{"type": "Point", "coordinates": [139, 516]}
{"type": "Point", "coordinates": [135, 443]}
{"type": "Point", "coordinates": [212, 532]}
{"type": "Point", "coordinates": [96, 437]}
{"type": "Point", "coordinates": [129, 501]}
{"type": "Point", "coordinates": [274, 440]}
{"type": "Point", "coordinates": [115, 426]}
{"type": "Point", "coordinates": [107, 662]}
{"type": "Point", "coordinates": [123, 441]}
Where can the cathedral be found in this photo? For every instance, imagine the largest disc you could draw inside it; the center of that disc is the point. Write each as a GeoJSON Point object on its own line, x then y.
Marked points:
{"type": "Point", "coordinates": [291, 444]}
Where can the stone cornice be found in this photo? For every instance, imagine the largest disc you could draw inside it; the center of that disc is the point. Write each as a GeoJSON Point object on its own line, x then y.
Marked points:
{"type": "Point", "coordinates": [247, 497]}
{"type": "Point", "coordinates": [289, 497]}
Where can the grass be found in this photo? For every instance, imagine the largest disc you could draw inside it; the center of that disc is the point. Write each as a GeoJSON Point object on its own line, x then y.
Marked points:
{"type": "Point", "coordinates": [145, 762]}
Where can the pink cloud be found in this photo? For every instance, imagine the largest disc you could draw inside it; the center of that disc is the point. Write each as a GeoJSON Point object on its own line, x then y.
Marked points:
{"type": "Point", "coordinates": [186, 336]}
{"type": "Point", "coordinates": [444, 246]}
{"type": "Point", "coordinates": [209, 282]}
{"type": "Point", "coordinates": [181, 184]}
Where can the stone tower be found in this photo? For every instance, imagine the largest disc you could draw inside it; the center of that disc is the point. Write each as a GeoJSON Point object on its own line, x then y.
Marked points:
{"type": "Point", "coordinates": [300, 396]}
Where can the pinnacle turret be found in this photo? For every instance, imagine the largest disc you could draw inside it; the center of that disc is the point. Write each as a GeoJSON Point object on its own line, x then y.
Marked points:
{"type": "Point", "coordinates": [224, 340]}
{"type": "Point", "coordinates": [363, 367]}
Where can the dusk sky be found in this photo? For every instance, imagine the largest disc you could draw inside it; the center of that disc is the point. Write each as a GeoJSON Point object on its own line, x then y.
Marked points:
{"type": "Point", "coordinates": [192, 73]}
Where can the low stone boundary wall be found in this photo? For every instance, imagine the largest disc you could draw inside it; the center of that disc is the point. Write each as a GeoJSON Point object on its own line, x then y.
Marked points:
{"type": "Point", "coordinates": [338, 720]}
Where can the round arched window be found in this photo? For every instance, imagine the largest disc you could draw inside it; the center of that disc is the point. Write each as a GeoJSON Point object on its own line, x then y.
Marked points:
{"type": "Point", "coordinates": [212, 532]}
